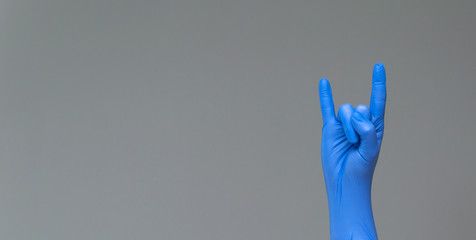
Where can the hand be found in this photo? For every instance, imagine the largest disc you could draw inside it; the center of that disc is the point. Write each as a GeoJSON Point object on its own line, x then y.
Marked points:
{"type": "Point", "coordinates": [349, 151]}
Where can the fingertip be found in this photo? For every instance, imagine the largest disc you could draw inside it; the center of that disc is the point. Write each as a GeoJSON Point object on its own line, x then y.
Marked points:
{"type": "Point", "coordinates": [345, 110]}
{"type": "Point", "coordinates": [327, 103]}
{"type": "Point", "coordinates": [323, 83]}
{"type": "Point", "coordinates": [379, 73]}
{"type": "Point", "coordinates": [364, 110]}
{"type": "Point", "coordinates": [346, 106]}
{"type": "Point", "coordinates": [379, 66]}
{"type": "Point", "coordinates": [325, 91]}
{"type": "Point", "coordinates": [362, 107]}
{"type": "Point", "coordinates": [378, 96]}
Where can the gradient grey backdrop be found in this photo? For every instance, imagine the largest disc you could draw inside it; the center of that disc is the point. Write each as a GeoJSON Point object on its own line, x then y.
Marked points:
{"type": "Point", "coordinates": [200, 119]}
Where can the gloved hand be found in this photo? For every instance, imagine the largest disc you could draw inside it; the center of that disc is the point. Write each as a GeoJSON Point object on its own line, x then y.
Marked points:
{"type": "Point", "coordinates": [349, 151]}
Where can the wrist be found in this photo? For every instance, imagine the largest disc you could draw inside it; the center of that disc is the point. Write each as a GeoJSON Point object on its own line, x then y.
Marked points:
{"type": "Point", "coordinates": [347, 225]}
{"type": "Point", "coordinates": [350, 212]}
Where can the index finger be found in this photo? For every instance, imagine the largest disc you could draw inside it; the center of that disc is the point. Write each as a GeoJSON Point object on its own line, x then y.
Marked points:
{"type": "Point", "coordinates": [327, 103]}
{"type": "Point", "coordinates": [378, 96]}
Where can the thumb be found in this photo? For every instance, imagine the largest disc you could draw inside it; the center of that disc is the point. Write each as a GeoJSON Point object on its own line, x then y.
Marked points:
{"type": "Point", "coordinates": [368, 147]}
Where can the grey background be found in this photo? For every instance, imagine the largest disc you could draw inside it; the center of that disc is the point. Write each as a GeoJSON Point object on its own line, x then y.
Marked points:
{"type": "Point", "coordinates": [200, 119]}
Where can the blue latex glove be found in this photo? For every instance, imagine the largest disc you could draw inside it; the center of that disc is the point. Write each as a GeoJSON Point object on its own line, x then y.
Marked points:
{"type": "Point", "coordinates": [349, 152]}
